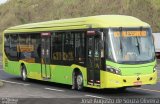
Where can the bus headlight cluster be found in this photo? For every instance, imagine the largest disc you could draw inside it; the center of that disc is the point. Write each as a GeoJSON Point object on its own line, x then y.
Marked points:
{"type": "Point", "coordinates": [154, 69]}
{"type": "Point", "coordinates": [113, 70]}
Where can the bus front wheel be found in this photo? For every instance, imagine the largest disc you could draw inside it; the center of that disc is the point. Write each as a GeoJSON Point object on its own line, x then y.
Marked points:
{"type": "Point", "coordinates": [79, 82]}
{"type": "Point", "coordinates": [24, 73]}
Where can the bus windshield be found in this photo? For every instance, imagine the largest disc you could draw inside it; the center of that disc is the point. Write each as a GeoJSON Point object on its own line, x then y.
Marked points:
{"type": "Point", "coordinates": [131, 45]}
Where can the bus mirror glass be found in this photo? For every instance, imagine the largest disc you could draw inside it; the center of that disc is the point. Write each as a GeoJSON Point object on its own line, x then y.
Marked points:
{"type": "Point", "coordinates": [46, 34]}
{"type": "Point", "coordinates": [91, 33]}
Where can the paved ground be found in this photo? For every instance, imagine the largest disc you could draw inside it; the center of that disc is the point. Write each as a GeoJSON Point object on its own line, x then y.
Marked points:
{"type": "Point", "coordinates": [14, 87]}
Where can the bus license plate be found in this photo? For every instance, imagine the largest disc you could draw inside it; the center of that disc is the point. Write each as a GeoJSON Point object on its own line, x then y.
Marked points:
{"type": "Point", "coordinates": [138, 83]}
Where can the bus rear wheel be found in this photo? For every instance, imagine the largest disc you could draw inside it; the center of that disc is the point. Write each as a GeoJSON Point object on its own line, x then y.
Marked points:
{"type": "Point", "coordinates": [23, 73]}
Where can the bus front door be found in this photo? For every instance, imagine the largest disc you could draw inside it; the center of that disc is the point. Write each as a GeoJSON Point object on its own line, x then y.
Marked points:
{"type": "Point", "coordinates": [93, 60]}
{"type": "Point", "coordinates": [45, 56]}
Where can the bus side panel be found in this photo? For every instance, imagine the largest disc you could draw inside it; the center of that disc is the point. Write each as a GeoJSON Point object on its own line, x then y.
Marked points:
{"type": "Point", "coordinates": [13, 67]}
{"type": "Point", "coordinates": [6, 67]}
{"type": "Point", "coordinates": [34, 71]}
{"type": "Point", "coordinates": [102, 78]}
{"type": "Point", "coordinates": [61, 74]}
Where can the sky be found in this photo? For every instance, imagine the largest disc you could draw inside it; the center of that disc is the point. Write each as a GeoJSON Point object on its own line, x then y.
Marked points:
{"type": "Point", "coordinates": [2, 1]}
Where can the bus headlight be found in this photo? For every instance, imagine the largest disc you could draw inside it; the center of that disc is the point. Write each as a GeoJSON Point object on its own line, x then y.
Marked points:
{"type": "Point", "coordinates": [113, 70]}
{"type": "Point", "coordinates": [154, 69]}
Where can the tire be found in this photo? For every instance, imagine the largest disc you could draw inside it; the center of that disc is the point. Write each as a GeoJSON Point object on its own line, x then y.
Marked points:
{"type": "Point", "coordinates": [79, 82]}
{"type": "Point", "coordinates": [74, 81]}
{"type": "Point", "coordinates": [24, 73]}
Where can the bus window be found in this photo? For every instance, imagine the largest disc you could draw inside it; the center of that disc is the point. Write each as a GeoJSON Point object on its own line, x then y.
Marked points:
{"type": "Point", "coordinates": [80, 48]}
{"type": "Point", "coordinates": [24, 49]}
{"type": "Point", "coordinates": [24, 39]}
{"type": "Point", "coordinates": [68, 53]}
{"type": "Point", "coordinates": [35, 41]}
{"type": "Point", "coordinates": [13, 47]}
{"type": "Point", "coordinates": [56, 46]}
{"type": "Point", "coordinates": [7, 45]}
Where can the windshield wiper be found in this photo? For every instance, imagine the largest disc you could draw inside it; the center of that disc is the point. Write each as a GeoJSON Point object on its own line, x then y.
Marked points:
{"type": "Point", "coordinates": [138, 45]}
{"type": "Point", "coordinates": [121, 41]}
{"type": "Point", "coordinates": [121, 44]}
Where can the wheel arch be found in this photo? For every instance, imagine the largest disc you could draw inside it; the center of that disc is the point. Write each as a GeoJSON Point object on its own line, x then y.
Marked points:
{"type": "Point", "coordinates": [77, 71]}
{"type": "Point", "coordinates": [82, 70]}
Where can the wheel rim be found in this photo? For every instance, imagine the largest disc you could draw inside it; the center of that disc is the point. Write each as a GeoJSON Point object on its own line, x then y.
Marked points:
{"type": "Point", "coordinates": [79, 81]}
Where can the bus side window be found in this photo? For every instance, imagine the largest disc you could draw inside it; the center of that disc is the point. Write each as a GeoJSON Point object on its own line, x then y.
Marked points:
{"type": "Point", "coordinates": [56, 46]}
{"type": "Point", "coordinates": [35, 41]}
{"type": "Point", "coordinates": [79, 47]}
{"type": "Point", "coordinates": [68, 53]}
{"type": "Point", "coordinates": [24, 46]}
{"type": "Point", "coordinates": [7, 45]}
{"type": "Point", "coordinates": [13, 47]}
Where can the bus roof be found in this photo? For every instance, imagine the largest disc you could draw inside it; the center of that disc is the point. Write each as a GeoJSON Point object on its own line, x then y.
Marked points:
{"type": "Point", "coordinates": [99, 21]}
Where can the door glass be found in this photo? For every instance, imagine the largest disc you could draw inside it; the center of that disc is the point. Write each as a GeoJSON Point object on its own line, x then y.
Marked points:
{"type": "Point", "coordinates": [43, 50]}
{"type": "Point", "coordinates": [97, 61]}
{"type": "Point", "coordinates": [97, 54]}
{"type": "Point", "coordinates": [47, 51]}
{"type": "Point", "coordinates": [94, 60]}
{"type": "Point", "coordinates": [45, 61]}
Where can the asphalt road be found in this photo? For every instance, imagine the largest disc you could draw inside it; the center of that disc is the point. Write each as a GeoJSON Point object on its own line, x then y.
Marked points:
{"type": "Point", "coordinates": [14, 87]}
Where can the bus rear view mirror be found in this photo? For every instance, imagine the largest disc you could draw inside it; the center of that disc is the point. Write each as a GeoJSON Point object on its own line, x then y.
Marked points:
{"type": "Point", "coordinates": [91, 33]}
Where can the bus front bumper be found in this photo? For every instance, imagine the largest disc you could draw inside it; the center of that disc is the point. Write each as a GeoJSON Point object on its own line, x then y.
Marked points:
{"type": "Point", "coordinates": [109, 80]}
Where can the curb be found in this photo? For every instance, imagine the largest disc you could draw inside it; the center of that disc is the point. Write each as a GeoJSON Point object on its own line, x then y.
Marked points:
{"type": "Point", "coordinates": [1, 83]}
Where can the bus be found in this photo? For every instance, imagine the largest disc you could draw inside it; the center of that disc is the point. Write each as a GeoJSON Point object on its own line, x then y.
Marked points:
{"type": "Point", "coordinates": [103, 51]}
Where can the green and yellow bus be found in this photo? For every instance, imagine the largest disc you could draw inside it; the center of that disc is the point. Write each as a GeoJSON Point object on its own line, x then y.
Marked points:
{"type": "Point", "coordinates": [104, 51]}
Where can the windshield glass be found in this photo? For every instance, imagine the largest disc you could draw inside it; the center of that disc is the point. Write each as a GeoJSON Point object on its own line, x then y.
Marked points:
{"type": "Point", "coordinates": [130, 45]}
